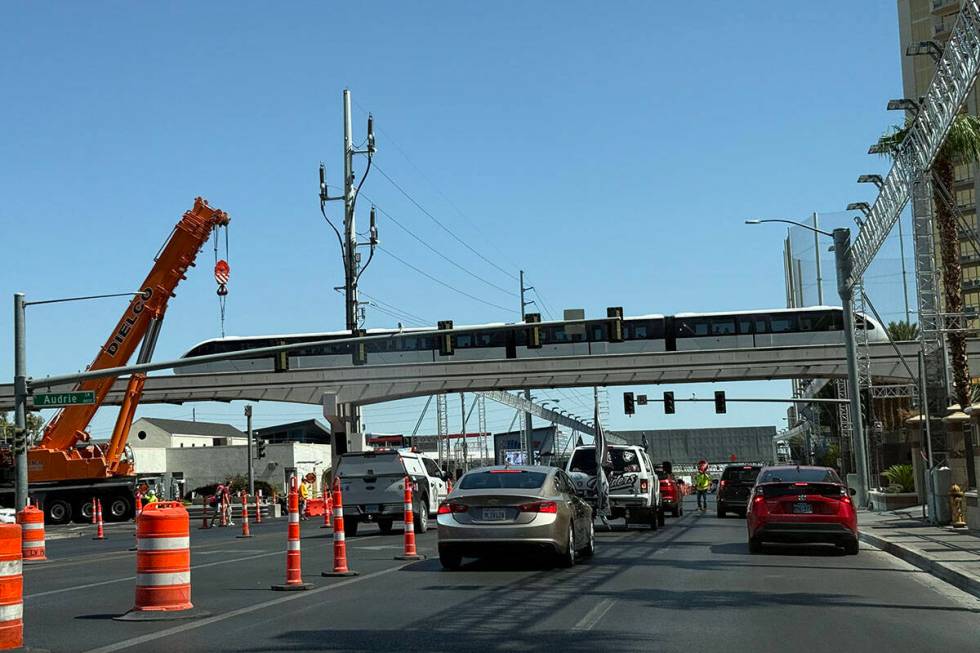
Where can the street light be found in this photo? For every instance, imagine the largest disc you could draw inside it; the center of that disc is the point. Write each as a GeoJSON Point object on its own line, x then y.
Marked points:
{"type": "Point", "coordinates": [845, 265]}
{"type": "Point", "coordinates": [20, 387]}
{"type": "Point", "coordinates": [904, 104]}
{"type": "Point", "coordinates": [932, 49]}
{"type": "Point", "coordinates": [871, 179]}
{"type": "Point", "coordinates": [863, 207]}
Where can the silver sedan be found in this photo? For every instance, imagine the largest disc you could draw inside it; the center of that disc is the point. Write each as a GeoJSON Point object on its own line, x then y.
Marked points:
{"type": "Point", "coordinates": [498, 510]}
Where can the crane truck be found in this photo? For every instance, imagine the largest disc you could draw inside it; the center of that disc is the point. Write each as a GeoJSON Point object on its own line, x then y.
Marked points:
{"type": "Point", "coordinates": [66, 470]}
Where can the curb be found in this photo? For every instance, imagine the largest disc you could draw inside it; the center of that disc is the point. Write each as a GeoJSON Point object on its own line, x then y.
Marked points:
{"type": "Point", "coordinates": [963, 581]}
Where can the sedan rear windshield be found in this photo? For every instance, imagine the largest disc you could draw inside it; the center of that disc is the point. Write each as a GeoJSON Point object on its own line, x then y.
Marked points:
{"type": "Point", "coordinates": [794, 475]}
{"type": "Point", "coordinates": [741, 474]}
{"type": "Point", "coordinates": [509, 479]}
{"type": "Point", "coordinates": [370, 464]}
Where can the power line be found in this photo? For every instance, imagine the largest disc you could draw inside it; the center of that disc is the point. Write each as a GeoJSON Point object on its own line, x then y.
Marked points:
{"type": "Point", "coordinates": [416, 318]}
{"type": "Point", "coordinates": [437, 252]}
{"type": "Point", "coordinates": [443, 283]}
{"type": "Point", "coordinates": [439, 222]}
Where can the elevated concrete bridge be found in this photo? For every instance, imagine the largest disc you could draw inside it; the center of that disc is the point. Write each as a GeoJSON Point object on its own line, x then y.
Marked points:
{"type": "Point", "coordinates": [376, 383]}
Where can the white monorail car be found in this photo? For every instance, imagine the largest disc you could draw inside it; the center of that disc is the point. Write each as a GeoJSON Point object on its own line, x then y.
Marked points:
{"type": "Point", "coordinates": [647, 333]}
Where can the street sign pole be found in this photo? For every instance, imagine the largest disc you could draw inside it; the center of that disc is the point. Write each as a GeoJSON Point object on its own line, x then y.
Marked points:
{"type": "Point", "coordinates": [20, 404]}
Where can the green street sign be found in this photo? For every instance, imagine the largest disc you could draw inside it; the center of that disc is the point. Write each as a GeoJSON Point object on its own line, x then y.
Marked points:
{"type": "Point", "coordinates": [51, 400]}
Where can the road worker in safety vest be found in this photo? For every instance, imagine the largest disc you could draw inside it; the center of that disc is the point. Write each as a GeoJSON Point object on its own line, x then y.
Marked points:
{"type": "Point", "coordinates": [702, 483]}
{"type": "Point", "coordinates": [305, 492]}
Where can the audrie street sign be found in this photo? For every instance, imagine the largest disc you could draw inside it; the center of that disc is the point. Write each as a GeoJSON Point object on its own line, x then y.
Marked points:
{"type": "Point", "coordinates": [52, 399]}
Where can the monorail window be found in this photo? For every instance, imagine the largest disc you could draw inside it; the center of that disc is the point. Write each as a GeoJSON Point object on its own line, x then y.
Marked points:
{"type": "Point", "coordinates": [691, 327]}
{"type": "Point", "coordinates": [861, 323]}
{"type": "Point", "coordinates": [745, 326]}
{"type": "Point", "coordinates": [783, 323]}
{"type": "Point", "coordinates": [723, 326]}
{"type": "Point", "coordinates": [643, 329]}
{"type": "Point", "coordinates": [597, 332]}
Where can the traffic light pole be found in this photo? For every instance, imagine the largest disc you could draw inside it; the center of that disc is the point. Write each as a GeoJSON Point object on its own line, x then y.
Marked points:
{"type": "Point", "coordinates": [248, 429]}
{"type": "Point", "coordinates": [844, 262]}
{"type": "Point", "coordinates": [20, 403]}
{"type": "Point", "coordinates": [528, 419]}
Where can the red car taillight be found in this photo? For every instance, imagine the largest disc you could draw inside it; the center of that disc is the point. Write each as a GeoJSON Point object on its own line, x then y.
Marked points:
{"type": "Point", "coordinates": [447, 507]}
{"type": "Point", "coordinates": [644, 485]}
{"type": "Point", "coordinates": [539, 506]}
{"type": "Point", "coordinates": [722, 483]}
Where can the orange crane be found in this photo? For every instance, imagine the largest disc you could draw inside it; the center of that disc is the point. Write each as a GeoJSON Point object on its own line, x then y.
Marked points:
{"type": "Point", "coordinates": [66, 469]}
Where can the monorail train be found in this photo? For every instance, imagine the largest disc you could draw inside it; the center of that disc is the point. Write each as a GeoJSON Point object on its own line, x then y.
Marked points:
{"type": "Point", "coordinates": [646, 333]}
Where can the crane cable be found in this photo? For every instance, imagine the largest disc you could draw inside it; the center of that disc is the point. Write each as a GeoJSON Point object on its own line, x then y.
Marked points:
{"type": "Point", "coordinates": [222, 272]}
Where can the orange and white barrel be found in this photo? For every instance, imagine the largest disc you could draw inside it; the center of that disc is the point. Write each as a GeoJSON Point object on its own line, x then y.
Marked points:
{"type": "Point", "coordinates": [163, 558]}
{"type": "Point", "coordinates": [11, 588]}
{"type": "Point", "coordinates": [31, 521]}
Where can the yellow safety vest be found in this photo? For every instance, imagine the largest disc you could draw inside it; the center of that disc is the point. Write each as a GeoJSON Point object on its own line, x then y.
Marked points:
{"type": "Point", "coordinates": [702, 481]}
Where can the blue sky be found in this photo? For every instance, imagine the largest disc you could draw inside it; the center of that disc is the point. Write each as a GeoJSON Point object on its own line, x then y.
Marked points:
{"type": "Point", "coordinates": [612, 150]}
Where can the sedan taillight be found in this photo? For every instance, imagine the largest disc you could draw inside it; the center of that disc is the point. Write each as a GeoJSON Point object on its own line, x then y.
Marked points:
{"type": "Point", "coordinates": [539, 506]}
{"type": "Point", "coordinates": [448, 507]}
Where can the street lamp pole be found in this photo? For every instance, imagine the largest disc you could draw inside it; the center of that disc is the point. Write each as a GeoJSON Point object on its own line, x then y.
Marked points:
{"type": "Point", "coordinates": [844, 265]}
{"type": "Point", "coordinates": [20, 403]}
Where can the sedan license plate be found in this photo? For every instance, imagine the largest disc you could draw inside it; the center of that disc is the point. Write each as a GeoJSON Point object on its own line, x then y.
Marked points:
{"type": "Point", "coordinates": [802, 508]}
{"type": "Point", "coordinates": [494, 514]}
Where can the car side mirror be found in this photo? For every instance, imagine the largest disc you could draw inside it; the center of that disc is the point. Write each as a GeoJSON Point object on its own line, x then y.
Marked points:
{"type": "Point", "coordinates": [852, 491]}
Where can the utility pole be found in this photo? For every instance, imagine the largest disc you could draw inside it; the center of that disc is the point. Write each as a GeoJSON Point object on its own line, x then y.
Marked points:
{"type": "Point", "coordinates": [20, 403]}
{"type": "Point", "coordinates": [844, 263]}
{"type": "Point", "coordinates": [348, 245]}
{"type": "Point", "coordinates": [528, 420]}
{"type": "Point", "coordinates": [248, 430]}
{"type": "Point", "coordinates": [816, 256]}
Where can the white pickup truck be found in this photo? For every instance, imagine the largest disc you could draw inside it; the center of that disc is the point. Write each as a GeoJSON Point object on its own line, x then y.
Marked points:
{"type": "Point", "coordinates": [634, 489]}
{"type": "Point", "coordinates": [373, 484]}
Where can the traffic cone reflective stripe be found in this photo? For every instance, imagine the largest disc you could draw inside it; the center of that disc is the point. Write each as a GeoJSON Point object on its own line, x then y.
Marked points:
{"type": "Point", "coordinates": [294, 556]}
{"type": "Point", "coordinates": [258, 506]}
{"type": "Point", "coordinates": [100, 535]}
{"type": "Point", "coordinates": [339, 539]}
{"type": "Point", "coordinates": [31, 521]}
{"type": "Point", "coordinates": [327, 509]}
{"type": "Point", "coordinates": [11, 587]}
{"type": "Point", "coordinates": [93, 511]}
{"type": "Point", "coordinates": [410, 552]}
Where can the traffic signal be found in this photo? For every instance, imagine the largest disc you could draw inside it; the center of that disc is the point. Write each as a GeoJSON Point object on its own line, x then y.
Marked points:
{"type": "Point", "coordinates": [668, 403]}
{"type": "Point", "coordinates": [533, 333]}
{"type": "Point", "coordinates": [615, 313]}
{"type": "Point", "coordinates": [720, 401]}
{"type": "Point", "coordinates": [260, 448]}
{"type": "Point", "coordinates": [628, 405]}
{"type": "Point", "coordinates": [641, 400]}
{"type": "Point", "coordinates": [446, 347]}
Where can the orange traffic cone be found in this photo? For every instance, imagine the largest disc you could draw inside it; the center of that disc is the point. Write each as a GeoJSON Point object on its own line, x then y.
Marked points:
{"type": "Point", "coordinates": [410, 552]}
{"type": "Point", "coordinates": [100, 535]}
{"type": "Point", "coordinates": [339, 540]}
{"type": "Point", "coordinates": [245, 531]}
{"type": "Point", "coordinates": [294, 556]}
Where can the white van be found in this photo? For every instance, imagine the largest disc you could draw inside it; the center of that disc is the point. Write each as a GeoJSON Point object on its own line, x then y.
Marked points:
{"type": "Point", "coordinates": [373, 485]}
{"type": "Point", "coordinates": [634, 489]}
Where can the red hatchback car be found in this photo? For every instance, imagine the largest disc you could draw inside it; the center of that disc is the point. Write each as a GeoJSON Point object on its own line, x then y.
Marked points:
{"type": "Point", "coordinates": [795, 503]}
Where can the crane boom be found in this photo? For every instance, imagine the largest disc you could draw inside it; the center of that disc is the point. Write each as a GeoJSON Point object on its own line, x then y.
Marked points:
{"type": "Point", "coordinates": [169, 268]}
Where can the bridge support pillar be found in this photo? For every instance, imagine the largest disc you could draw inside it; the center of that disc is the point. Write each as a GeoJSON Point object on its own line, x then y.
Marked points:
{"type": "Point", "coordinates": [345, 425]}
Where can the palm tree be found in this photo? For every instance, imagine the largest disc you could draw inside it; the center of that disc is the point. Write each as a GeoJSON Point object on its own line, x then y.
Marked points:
{"type": "Point", "coordinates": [902, 331]}
{"type": "Point", "coordinates": [962, 145]}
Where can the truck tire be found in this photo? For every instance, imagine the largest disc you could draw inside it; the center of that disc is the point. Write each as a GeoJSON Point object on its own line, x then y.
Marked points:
{"type": "Point", "coordinates": [661, 517]}
{"type": "Point", "coordinates": [654, 519]}
{"type": "Point", "coordinates": [350, 526]}
{"type": "Point", "coordinates": [82, 511]}
{"type": "Point", "coordinates": [57, 510]}
{"type": "Point", "coordinates": [421, 516]}
{"type": "Point", "coordinates": [117, 507]}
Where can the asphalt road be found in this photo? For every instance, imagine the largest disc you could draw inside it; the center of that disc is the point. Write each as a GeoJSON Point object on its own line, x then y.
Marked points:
{"type": "Point", "coordinates": [690, 586]}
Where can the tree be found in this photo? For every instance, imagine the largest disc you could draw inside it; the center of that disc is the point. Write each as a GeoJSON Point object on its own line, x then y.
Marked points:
{"type": "Point", "coordinates": [902, 331]}
{"type": "Point", "coordinates": [962, 145]}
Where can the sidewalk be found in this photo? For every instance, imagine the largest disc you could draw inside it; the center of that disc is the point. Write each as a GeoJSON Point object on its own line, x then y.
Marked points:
{"type": "Point", "coordinates": [945, 552]}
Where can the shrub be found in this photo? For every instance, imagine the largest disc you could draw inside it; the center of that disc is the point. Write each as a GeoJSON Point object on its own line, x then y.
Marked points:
{"type": "Point", "coordinates": [901, 475]}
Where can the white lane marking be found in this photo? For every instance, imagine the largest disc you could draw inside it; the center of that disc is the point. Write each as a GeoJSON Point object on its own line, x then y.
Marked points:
{"type": "Point", "coordinates": [593, 616]}
{"type": "Point", "coordinates": [193, 625]}
{"type": "Point", "coordinates": [201, 566]}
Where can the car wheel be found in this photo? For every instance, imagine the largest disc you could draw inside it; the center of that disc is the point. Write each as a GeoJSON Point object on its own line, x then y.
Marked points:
{"type": "Point", "coordinates": [384, 525]}
{"type": "Point", "coordinates": [851, 547]}
{"type": "Point", "coordinates": [661, 516]}
{"type": "Point", "coordinates": [422, 516]}
{"type": "Point", "coordinates": [449, 559]}
{"type": "Point", "coordinates": [589, 549]}
{"type": "Point", "coordinates": [654, 521]}
{"type": "Point", "coordinates": [741, 513]}
{"type": "Point", "coordinates": [350, 526]}
{"type": "Point", "coordinates": [676, 512]}
{"type": "Point", "coordinates": [567, 559]}
{"type": "Point", "coordinates": [721, 512]}
{"type": "Point", "coordinates": [755, 545]}
{"type": "Point", "coordinates": [57, 511]}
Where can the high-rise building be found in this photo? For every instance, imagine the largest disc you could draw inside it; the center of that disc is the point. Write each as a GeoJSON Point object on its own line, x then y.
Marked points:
{"type": "Point", "coordinates": [932, 20]}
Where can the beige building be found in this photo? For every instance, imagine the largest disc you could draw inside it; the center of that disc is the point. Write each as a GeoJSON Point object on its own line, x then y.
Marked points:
{"type": "Point", "coordinates": [932, 20]}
